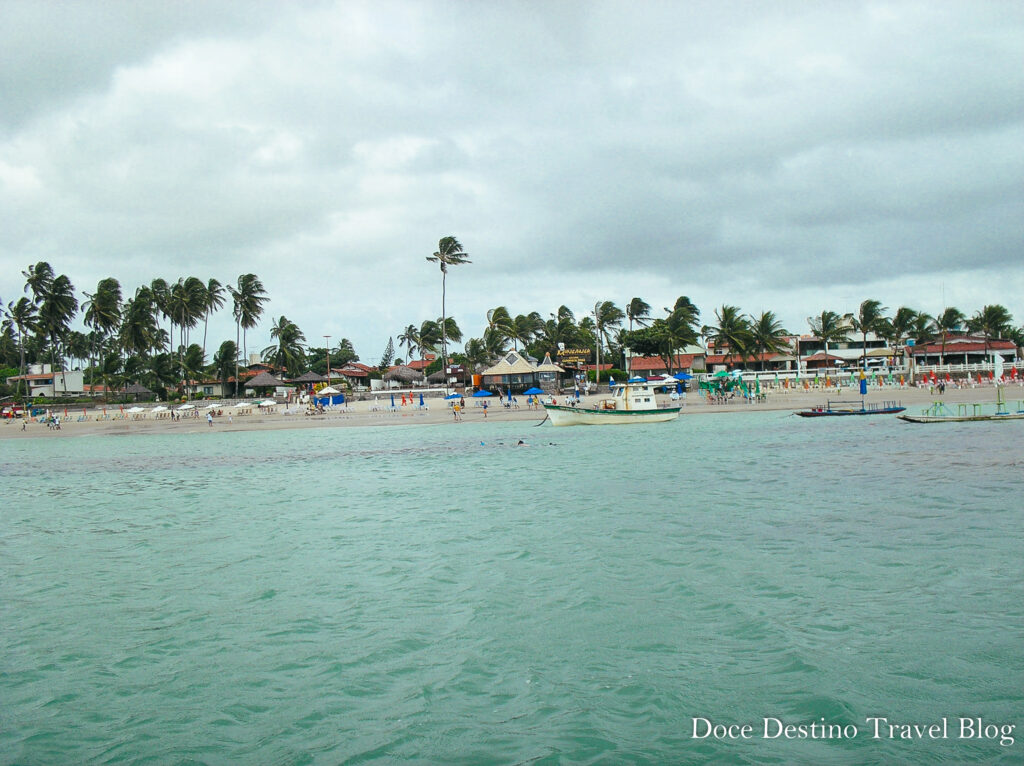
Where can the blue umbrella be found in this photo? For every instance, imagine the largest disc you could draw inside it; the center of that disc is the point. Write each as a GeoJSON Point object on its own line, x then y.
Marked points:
{"type": "Point", "coordinates": [509, 392]}
{"type": "Point", "coordinates": [682, 376]}
{"type": "Point", "coordinates": [482, 392]}
{"type": "Point", "coordinates": [533, 390]}
{"type": "Point", "coordinates": [451, 396]}
{"type": "Point", "coordinates": [421, 400]}
{"type": "Point", "coordinates": [392, 400]}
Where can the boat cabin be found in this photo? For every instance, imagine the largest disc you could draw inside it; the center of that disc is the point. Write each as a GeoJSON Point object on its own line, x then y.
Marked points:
{"type": "Point", "coordinates": [631, 397]}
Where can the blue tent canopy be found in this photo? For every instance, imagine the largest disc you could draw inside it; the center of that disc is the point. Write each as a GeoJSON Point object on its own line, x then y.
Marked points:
{"type": "Point", "coordinates": [329, 400]}
{"type": "Point", "coordinates": [482, 392]}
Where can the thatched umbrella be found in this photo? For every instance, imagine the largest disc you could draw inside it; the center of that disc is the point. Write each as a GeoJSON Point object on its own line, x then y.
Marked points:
{"type": "Point", "coordinates": [309, 377]}
{"type": "Point", "coordinates": [264, 380]}
{"type": "Point", "coordinates": [403, 374]}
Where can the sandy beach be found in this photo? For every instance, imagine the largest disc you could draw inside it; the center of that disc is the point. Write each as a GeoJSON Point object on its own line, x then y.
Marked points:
{"type": "Point", "coordinates": [363, 413]}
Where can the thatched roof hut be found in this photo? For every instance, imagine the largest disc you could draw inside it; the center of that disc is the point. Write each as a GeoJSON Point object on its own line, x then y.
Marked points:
{"type": "Point", "coordinates": [264, 380]}
{"type": "Point", "coordinates": [137, 390]}
{"type": "Point", "coordinates": [309, 377]}
{"type": "Point", "coordinates": [403, 374]}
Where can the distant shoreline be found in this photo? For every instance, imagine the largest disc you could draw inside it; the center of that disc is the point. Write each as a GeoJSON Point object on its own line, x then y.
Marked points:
{"type": "Point", "coordinates": [438, 413]}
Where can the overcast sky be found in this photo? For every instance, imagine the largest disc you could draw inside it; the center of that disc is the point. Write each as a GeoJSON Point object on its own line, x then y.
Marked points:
{"type": "Point", "coordinates": [785, 156]}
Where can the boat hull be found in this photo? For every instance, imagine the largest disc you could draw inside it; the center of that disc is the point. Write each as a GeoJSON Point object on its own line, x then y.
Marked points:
{"type": "Point", "coordinates": [579, 416]}
{"type": "Point", "coordinates": [960, 418]}
{"type": "Point", "coordinates": [840, 413]}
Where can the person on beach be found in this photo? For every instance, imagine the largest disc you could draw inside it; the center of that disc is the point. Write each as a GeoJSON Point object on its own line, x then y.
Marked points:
{"type": "Point", "coordinates": [209, 419]}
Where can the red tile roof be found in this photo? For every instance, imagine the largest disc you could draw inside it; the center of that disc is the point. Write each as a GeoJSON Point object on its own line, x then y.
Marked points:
{"type": "Point", "coordinates": [738, 359]}
{"type": "Point", "coordinates": [644, 363]}
{"type": "Point", "coordinates": [963, 345]}
{"type": "Point", "coordinates": [821, 356]}
{"type": "Point", "coordinates": [352, 371]}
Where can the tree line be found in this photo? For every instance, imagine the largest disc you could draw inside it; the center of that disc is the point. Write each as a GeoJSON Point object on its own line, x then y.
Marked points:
{"type": "Point", "coordinates": [152, 336]}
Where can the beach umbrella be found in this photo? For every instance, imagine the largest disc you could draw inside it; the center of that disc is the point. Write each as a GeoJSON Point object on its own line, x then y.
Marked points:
{"type": "Point", "coordinates": [328, 391]}
{"type": "Point", "coordinates": [268, 403]}
{"type": "Point", "coordinates": [210, 407]}
{"type": "Point", "coordinates": [720, 374]}
{"type": "Point", "coordinates": [533, 391]}
{"type": "Point", "coordinates": [686, 376]}
{"type": "Point", "coordinates": [508, 396]}
{"type": "Point", "coordinates": [186, 407]}
{"type": "Point", "coordinates": [948, 378]}
{"type": "Point", "coordinates": [757, 385]}
{"type": "Point", "coordinates": [239, 405]}
{"type": "Point", "coordinates": [158, 408]}
{"type": "Point", "coordinates": [392, 400]}
{"type": "Point", "coordinates": [421, 399]}
{"type": "Point", "coordinates": [451, 396]}
{"type": "Point", "coordinates": [482, 392]}
{"type": "Point", "coordinates": [133, 410]}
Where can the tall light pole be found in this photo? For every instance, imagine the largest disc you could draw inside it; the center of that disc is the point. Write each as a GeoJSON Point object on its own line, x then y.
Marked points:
{"type": "Point", "coordinates": [328, 339]}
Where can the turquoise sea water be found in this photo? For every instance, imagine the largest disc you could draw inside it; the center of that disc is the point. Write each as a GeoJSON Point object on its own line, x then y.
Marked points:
{"type": "Point", "coordinates": [438, 594]}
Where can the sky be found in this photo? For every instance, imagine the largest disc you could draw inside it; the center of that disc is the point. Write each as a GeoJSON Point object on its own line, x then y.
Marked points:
{"type": "Point", "coordinates": [782, 156]}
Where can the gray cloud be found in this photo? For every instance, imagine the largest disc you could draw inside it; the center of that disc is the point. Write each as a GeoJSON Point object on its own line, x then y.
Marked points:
{"type": "Point", "coordinates": [803, 155]}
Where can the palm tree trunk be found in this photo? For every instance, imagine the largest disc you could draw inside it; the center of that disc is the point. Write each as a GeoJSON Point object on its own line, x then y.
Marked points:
{"type": "Point", "coordinates": [237, 332]}
{"type": "Point", "coordinates": [444, 321]}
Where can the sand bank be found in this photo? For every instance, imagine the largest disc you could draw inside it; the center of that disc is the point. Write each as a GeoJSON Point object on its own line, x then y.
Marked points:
{"type": "Point", "coordinates": [439, 413]}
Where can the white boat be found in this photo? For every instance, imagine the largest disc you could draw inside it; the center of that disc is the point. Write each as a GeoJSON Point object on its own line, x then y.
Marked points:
{"type": "Point", "coordinates": [633, 402]}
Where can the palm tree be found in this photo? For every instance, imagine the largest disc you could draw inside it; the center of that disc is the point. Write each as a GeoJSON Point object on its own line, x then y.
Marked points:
{"type": "Point", "coordinates": [450, 328]}
{"type": "Point", "coordinates": [38, 280]}
{"type": "Point", "coordinates": [607, 316]}
{"type": "Point", "coordinates": [111, 367]}
{"type": "Point", "coordinates": [767, 335]}
{"type": "Point", "coordinates": [288, 352]}
{"type": "Point", "coordinates": [410, 338]}
{"type": "Point", "coordinates": [429, 336]}
{"type": "Point", "coordinates": [140, 333]}
{"type": "Point", "coordinates": [732, 331]}
{"type": "Point", "coordinates": [248, 296]}
{"type": "Point", "coordinates": [951, 320]}
{"type": "Point", "coordinates": [899, 327]}
{"type": "Point", "coordinates": [159, 294]}
{"type": "Point", "coordinates": [58, 307]}
{"type": "Point", "coordinates": [498, 318]}
{"type": "Point", "coordinates": [449, 253]}
{"type": "Point", "coordinates": [192, 365]}
{"type": "Point", "coordinates": [224, 360]}
{"type": "Point", "coordinates": [476, 352]}
{"type": "Point", "coordinates": [214, 298]}
{"type": "Point", "coordinates": [638, 310]}
{"type": "Point", "coordinates": [24, 317]}
{"type": "Point", "coordinates": [494, 342]}
{"type": "Point", "coordinates": [103, 311]}
{"type": "Point", "coordinates": [525, 328]}
{"type": "Point", "coordinates": [991, 321]}
{"type": "Point", "coordinates": [830, 327]}
{"type": "Point", "coordinates": [870, 313]}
